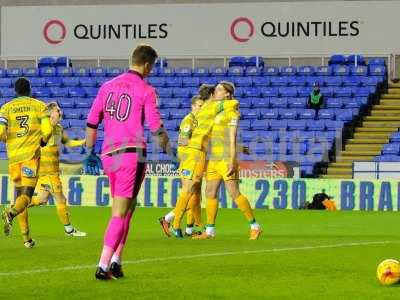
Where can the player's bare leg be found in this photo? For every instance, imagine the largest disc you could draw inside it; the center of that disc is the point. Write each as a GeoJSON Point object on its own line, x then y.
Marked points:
{"type": "Point", "coordinates": [243, 204]}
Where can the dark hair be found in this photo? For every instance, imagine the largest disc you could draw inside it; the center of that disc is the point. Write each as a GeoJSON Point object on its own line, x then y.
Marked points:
{"type": "Point", "coordinates": [195, 99]}
{"type": "Point", "coordinates": [144, 54]}
{"type": "Point", "coordinates": [229, 87]}
{"type": "Point", "coordinates": [22, 87]}
{"type": "Point", "coordinates": [205, 91]}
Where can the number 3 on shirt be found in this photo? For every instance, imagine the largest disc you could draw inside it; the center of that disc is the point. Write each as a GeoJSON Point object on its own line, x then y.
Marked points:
{"type": "Point", "coordinates": [116, 109]}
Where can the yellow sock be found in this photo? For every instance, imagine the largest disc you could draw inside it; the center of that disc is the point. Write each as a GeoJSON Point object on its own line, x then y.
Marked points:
{"type": "Point", "coordinates": [181, 206]}
{"type": "Point", "coordinates": [62, 211]}
{"type": "Point", "coordinates": [35, 201]}
{"type": "Point", "coordinates": [196, 210]}
{"type": "Point", "coordinates": [243, 203]}
{"type": "Point", "coordinates": [24, 225]}
{"type": "Point", "coordinates": [212, 210]}
{"type": "Point", "coordinates": [190, 218]}
{"type": "Point", "coordinates": [21, 203]}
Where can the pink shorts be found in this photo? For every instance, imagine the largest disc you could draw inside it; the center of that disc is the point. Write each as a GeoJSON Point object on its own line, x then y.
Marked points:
{"type": "Point", "coordinates": [125, 172]}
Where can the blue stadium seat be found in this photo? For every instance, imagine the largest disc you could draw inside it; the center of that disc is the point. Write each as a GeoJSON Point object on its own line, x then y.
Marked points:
{"type": "Point", "coordinates": [252, 92]}
{"type": "Point", "coordinates": [327, 91]}
{"type": "Point", "coordinates": [190, 82]}
{"type": "Point", "coordinates": [200, 72]}
{"type": "Point", "coordinates": [171, 103]}
{"type": "Point", "coordinates": [307, 114]}
{"type": "Point", "coordinates": [323, 71]}
{"type": "Point", "coordinates": [259, 102]}
{"type": "Point", "coordinates": [87, 81]}
{"type": "Point", "coordinates": [7, 92]}
{"type": "Point", "coordinates": [244, 125]}
{"type": "Point", "coordinates": [255, 61]}
{"type": "Point", "coordinates": [249, 114]}
{"type": "Point", "coordinates": [5, 82]}
{"type": "Point", "coordinates": [344, 115]}
{"type": "Point", "coordinates": [209, 80]}
{"type": "Point", "coordinates": [156, 81]}
{"type": "Point", "coordinates": [154, 72]}
{"type": "Point", "coordinates": [14, 72]}
{"type": "Point", "coordinates": [306, 71]}
{"type": "Point", "coordinates": [279, 102]}
{"type": "Point", "coordinates": [41, 92]}
{"type": "Point", "coordinates": [395, 137]}
{"type": "Point", "coordinates": [260, 125]}
{"type": "Point", "coordinates": [66, 103]}
{"type": "Point", "coordinates": [359, 70]}
{"type": "Point", "coordinates": [70, 81]}
{"type": "Point", "coordinates": [46, 62]}
{"type": "Point", "coordinates": [341, 70]}
{"type": "Point", "coordinates": [334, 103]}
{"type": "Point", "coordinates": [173, 82]}
{"type": "Point", "coordinates": [243, 81]}
{"type": "Point", "coordinates": [298, 81]}
{"type": "Point", "coordinates": [297, 148]}
{"type": "Point", "coordinates": [376, 70]}
{"type": "Point", "coordinates": [59, 92]}
{"type": "Point", "coordinates": [351, 81]}
{"type": "Point", "coordinates": [80, 72]}
{"type": "Point", "coordinates": [328, 136]}
{"type": "Point", "coordinates": [369, 81]}
{"type": "Point", "coordinates": [182, 92]}
{"type": "Point", "coordinates": [391, 149]}
{"type": "Point", "coordinates": [98, 72]}
{"type": "Point", "coordinates": [3, 73]}
{"type": "Point", "coordinates": [278, 124]}
{"type": "Point", "coordinates": [297, 102]}
{"type": "Point", "coordinates": [337, 59]}
{"type": "Point", "coordinates": [113, 72]}
{"type": "Point", "coordinates": [183, 72]}
{"type": "Point", "coordinates": [164, 92]}
{"type": "Point", "coordinates": [316, 125]}
{"type": "Point", "coordinates": [333, 81]}
{"type": "Point", "coordinates": [239, 92]}
{"type": "Point", "coordinates": [288, 71]}
{"type": "Point", "coordinates": [362, 100]}
{"type": "Point", "coordinates": [253, 71]}
{"type": "Point", "coordinates": [64, 72]}
{"type": "Point", "coordinates": [36, 81]}
{"type": "Point", "coordinates": [269, 114]}
{"type": "Point", "coordinates": [304, 91]}
{"type": "Point", "coordinates": [328, 114]}
{"type": "Point", "coordinates": [237, 61]}
{"type": "Point", "coordinates": [287, 114]}
{"type": "Point", "coordinates": [218, 71]}
{"type": "Point", "coordinates": [288, 92]}
{"type": "Point", "coordinates": [279, 81]}
{"type": "Point", "coordinates": [351, 103]}
{"type": "Point", "coordinates": [261, 81]}
{"type": "Point", "coordinates": [53, 81]}
{"type": "Point", "coordinates": [178, 114]}
{"type": "Point", "coordinates": [77, 123]}
{"type": "Point", "coordinates": [164, 114]}
{"type": "Point", "coordinates": [334, 125]}
{"type": "Point", "coordinates": [101, 80]}
{"type": "Point", "coordinates": [388, 158]}
{"type": "Point", "coordinates": [246, 102]}
{"type": "Point", "coordinates": [362, 91]}
{"type": "Point", "coordinates": [235, 71]}
{"type": "Point", "coordinates": [76, 92]}
{"type": "Point", "coordinates": [317, 148]}
{"type": "Point", "coordinates": [82, 103]}
{"type": "Point", "coordinates": [48, 72]}
{"type": "Point", "coordinates": [377, 61]}
{"type": "Point", "coordinates": [91, 92]}
{"type": "Point", "coordinates": [247, 136]}
{"type": "Point", "coordinates": [297, 125]}
{"type": "Point", "coordinates": [30, 72]}
{"type": "Point", "coordinates": [70, 113]}
{"type": "Point", "coordinates": [271, 71]}
{"type": "Point", "coordinates": [62, 61]}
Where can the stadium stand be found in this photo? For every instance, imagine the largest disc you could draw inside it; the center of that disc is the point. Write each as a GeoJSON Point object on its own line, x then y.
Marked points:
{"type": "Point", "coordinates": [275, 121]}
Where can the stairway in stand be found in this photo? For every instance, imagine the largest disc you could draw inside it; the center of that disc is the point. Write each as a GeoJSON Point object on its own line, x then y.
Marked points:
{"type": "Point", "coordinates": [369, 138]}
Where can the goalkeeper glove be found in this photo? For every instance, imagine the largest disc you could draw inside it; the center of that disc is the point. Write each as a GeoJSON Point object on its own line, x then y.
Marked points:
{"type": "Point", "coordinates": [92, 163]}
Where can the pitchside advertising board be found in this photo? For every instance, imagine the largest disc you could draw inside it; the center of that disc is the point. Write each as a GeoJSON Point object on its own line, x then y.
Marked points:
{"type": "Point", "coordinates": [202, 29]}
{"type": "Point", "coordinates": [278, 193]}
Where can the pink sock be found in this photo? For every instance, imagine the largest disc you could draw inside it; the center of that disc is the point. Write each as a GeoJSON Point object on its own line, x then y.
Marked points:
{"type": "Point", "coordinates": [118, 253]}
{"type": "Point", "coordinates": [112, 238]}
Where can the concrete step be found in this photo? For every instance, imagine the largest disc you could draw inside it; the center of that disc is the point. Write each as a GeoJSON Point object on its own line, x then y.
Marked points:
{"type": "Point", "coordinates": [386, 107]}
{"type": "Point", "coordinates": [337, 176]}
{"type": "Point", "coordinates": [365, 152]}
{"type": "Point", "coordinates": [376, 112]}
{"type": "Point", "coordinates": [393, 90]}
{"type": "Point", "coordinates": [370, 141]}
{"type": "Point", "coordinates": [355, 158]}
{"type": "Point", "coordinates": [390, 96]}
{"type": "Point", "coordinates": [394, 85]}
{"type": "Point", "coordinates": [342, 171]}
{"type": "Point", "coordinates": [395, 102]}
{"type": "Point", "coordinates": [362, 147]}
{"type": "Point", "coordinates": [385, 124]}
{"type": "Point", "coordinates": [382, 118]}
{"type": "Point", "coordinates": [372, 135]}
{"type": "Point", "coordinates": [341, 164]}
{"type": "Point", "coordinates": [377, 129]}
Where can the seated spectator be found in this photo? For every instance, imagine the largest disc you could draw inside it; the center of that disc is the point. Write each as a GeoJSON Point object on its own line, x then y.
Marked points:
{"type": "Point", "coordinates": [316, 99]}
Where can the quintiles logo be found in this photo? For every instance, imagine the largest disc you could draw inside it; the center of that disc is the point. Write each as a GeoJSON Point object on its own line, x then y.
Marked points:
{"type": "Point", "coordinates": [54, 32]}
{"type": "Point", "coordinates": [242, 29]}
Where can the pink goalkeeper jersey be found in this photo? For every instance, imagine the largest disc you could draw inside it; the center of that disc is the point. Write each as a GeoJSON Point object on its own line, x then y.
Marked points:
{"type": "Point", "coordinates": [124, 104]}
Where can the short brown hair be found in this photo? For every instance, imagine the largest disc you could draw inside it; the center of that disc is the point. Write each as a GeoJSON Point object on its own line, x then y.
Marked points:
{"type": "Point", "coordinates": [143, 54]}
{"type": "Point", "coordinates": [195, 99]}
{"type": "Point", "coordinates": [205, 91]}
{"type": "Point", "coordinates": [229, 87]}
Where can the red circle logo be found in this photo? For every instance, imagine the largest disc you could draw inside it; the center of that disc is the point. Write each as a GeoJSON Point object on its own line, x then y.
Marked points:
{"type": "Point", "coordinates": [250, 29]}
{"type": "Point", "coordinates": [54, 25]}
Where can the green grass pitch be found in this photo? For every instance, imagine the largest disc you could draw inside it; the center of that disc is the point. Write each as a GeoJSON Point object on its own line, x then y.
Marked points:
{"type": "Point", "coordinates": [301, 255]}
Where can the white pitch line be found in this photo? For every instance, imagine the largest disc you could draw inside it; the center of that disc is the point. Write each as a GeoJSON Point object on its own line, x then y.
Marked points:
{"type": "Point", "coordinates": [161, 259]}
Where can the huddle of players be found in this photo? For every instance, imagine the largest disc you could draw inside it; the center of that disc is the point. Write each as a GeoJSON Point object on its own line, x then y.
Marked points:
{"type": "Point", "coordinates": [32, 132]}
{"type": "Point", "coordinates": [207, 144]}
